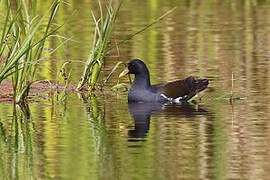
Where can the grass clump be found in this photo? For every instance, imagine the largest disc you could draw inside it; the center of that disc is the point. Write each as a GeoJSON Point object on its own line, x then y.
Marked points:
{"type": "Point", "coordinates": [22, 43]}
{"type": "Point", "coordinates": [102, 35]}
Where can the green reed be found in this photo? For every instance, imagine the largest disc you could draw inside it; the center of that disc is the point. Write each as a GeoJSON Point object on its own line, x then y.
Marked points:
{"type": "Point", "coordinates": [102, 35]}
{"type": "Point", "coordinates": [22, 43]}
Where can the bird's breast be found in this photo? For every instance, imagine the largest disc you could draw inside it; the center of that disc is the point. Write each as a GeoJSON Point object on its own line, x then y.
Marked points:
{"type": "Point", "coordinates": [142, 95]}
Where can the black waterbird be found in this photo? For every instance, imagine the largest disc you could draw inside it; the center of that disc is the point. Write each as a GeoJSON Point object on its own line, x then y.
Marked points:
{"type": "Point", "coordinates": [178, 91]}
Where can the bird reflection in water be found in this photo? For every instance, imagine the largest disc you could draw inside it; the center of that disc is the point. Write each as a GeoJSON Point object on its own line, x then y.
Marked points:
{"type": "Point", "coordinates": [141, 113]}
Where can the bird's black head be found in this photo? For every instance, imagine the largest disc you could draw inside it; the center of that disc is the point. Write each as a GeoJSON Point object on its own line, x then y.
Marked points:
{"type": "Point", "coordinates": [137, 67]}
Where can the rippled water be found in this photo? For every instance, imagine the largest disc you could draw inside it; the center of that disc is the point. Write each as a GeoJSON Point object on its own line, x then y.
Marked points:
{"type": "Point", "coordinates": [103, 137]}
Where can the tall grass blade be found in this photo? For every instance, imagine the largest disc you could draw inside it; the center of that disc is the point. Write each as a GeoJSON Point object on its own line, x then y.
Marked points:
{"type": "Point", "coordinates": [103, 31]}
{"type": "Point", "coordinates": [21, 43]}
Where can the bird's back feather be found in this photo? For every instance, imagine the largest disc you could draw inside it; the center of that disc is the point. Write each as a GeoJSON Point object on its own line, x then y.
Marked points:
{"type": "Point", "coordinates": [185, 88]}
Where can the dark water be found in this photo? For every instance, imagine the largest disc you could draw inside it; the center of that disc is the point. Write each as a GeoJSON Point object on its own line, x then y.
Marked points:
{"type": "Point", "coordinates": [103, 137]}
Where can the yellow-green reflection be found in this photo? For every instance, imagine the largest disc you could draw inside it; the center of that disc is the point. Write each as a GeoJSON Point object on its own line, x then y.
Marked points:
{"type": "Point", "coordinates": [89, 138]}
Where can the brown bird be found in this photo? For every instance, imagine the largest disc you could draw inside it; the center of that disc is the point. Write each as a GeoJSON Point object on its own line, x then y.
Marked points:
{"type": "Point", "coordinates": [179, 91]}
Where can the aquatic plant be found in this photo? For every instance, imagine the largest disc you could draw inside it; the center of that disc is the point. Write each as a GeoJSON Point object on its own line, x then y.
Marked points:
{"type": "Point", "coordinates": [102, 34]}
{"type": "Point", "coordinates": [22, 43]}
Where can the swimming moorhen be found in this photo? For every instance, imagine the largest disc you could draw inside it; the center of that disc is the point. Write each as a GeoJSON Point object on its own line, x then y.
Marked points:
{"type": "Point", "coordinates": [179, 91]}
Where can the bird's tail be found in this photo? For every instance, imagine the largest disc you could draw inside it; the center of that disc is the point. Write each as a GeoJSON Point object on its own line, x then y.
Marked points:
{"type": "Point", "coordinates": [195, 86]}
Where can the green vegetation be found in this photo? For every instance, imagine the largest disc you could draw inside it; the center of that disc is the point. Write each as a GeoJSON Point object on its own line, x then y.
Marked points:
{"type": "Point", "coordinates": [22, 43]}
{"type": "Point", "coordinates": [103, 30]}
{"type": "Point", "coordinates": [24, 36]}
{"type": "Point", "coordinates": [89, 138]}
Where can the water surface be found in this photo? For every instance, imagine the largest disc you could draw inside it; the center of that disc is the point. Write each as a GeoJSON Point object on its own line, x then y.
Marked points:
{"type": "Point", "coordinates": [103, 137]}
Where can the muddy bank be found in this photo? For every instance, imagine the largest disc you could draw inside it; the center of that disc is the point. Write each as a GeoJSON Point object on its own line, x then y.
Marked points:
{"type": "Point", "coordinates": [39, 89]}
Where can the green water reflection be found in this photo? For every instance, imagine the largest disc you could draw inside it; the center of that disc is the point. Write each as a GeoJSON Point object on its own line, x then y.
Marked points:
{"type": "Point", "coordinates": [103, 138]}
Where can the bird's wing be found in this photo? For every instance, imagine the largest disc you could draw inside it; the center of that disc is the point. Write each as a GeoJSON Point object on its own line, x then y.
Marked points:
{"type": "Point", "coordinates": [185, 88]}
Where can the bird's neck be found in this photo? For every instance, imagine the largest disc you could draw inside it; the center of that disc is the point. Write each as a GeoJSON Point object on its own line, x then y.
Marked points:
{"type": "Point", "coordinates": [142, 81]}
